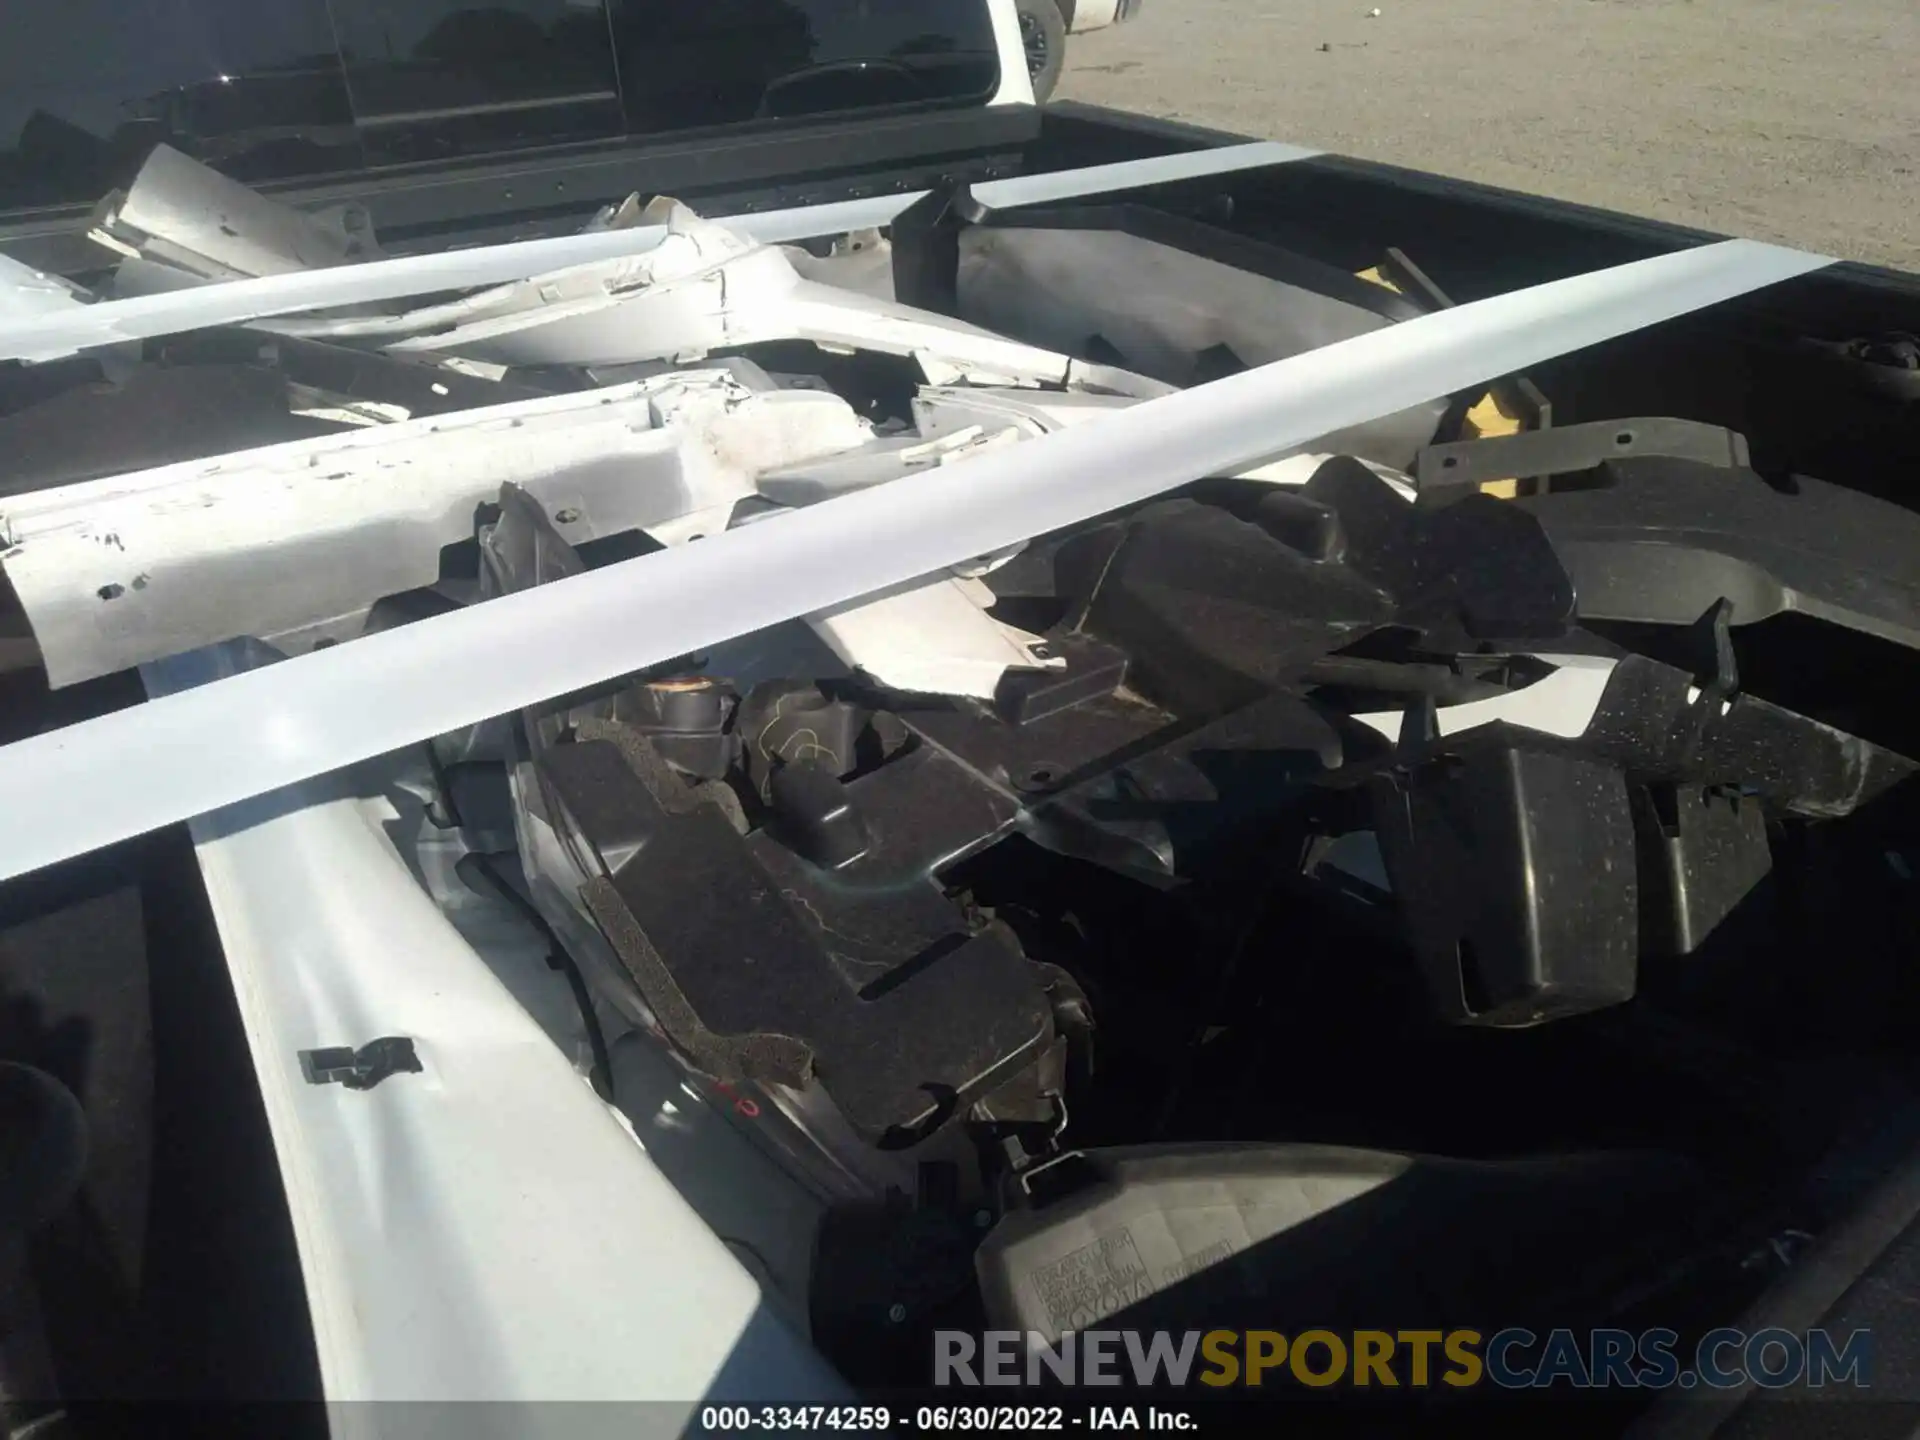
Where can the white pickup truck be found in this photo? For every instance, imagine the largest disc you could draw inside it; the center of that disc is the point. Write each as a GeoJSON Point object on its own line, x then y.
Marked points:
{"type": "Point", "coordinates": [697, 712]}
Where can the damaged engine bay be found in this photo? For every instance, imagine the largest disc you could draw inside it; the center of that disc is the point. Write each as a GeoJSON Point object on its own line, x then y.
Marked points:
{"type": "Point", "coordinates": [1479, 843]}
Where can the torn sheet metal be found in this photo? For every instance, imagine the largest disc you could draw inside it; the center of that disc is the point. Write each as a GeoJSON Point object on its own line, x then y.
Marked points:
{"type": "Point", "coordinates": [182, 214]}
{"type": "Point", "coordinates": [861, 262]}
{"type": "Point", "coordinates": [372, 522]}
{"type": "Point", "coordinates": [48, 338]}
{"type": "Point", "coordinates": [688, 247]}
{"type": "Point", "coordinates": [951, 424]}
{"type": "Point", "coordinates": [125, 773]}
{"type": "Point", "coordinates": [1081, 375]}
{"type": "Point", "coordinates": [293, 543]}
{"type": "Point", "coordinates": [705, 289]}
{"type": "Point", "coordinates": [943, 410]}
{"type": "Point", "coordinates": [622, 216]}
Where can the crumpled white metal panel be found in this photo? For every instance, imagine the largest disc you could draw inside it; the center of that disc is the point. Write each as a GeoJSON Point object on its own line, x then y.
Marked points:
{"type": "Point", "coordinates": [189, 216]}
{"type": "Point", "coordinates": [91, 784]}
{"type": "Point", "coordinates": [706, 289]}
{"type": "Point", "coordinates": [49, 337]}
{"type": "Point", "coordinates": [292, 543]}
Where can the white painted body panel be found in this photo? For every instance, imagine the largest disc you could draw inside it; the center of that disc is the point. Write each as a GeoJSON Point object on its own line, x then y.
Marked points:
{"type": "Point", "coordinates": [300, 538]}
{"type": "Point", "coordinates": [448, 1220]}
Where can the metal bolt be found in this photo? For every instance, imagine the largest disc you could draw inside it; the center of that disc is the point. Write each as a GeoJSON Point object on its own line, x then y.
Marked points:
{"type": "Point", "coordinates": [982, 1219]}
{"type": "Point", "coordinates": [896, 1313]}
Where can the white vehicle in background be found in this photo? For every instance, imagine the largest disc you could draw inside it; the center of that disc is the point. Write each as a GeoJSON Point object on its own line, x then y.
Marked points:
{"type": "Point", "coordinates": [1045, 25]}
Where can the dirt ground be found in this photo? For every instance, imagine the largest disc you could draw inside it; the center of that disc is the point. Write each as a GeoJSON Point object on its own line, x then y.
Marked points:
{"type": "Point", "coordinates": [1786, 120]}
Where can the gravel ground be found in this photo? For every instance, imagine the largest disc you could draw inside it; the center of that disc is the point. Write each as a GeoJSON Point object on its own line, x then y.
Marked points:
{"type": "Point", "coordinates": [1787, 120]}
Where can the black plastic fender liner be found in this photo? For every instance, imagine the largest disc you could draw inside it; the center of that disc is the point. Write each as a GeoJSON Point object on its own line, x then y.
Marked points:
{"type": "Point", "coordinates": [1661, 540]}
{"type": "Point", "coordinates": [928, 248]}
{"type": "Point", "coordinates": [1658, 723]}
{"type": "Point", "coordinates": [1211, 607]}
{"type": "Point", "coordinates": [1654, 720]}
{"type": "Point", "coordinates": [1477, 564]}
{"type": "Point", "coordinates": [1208, 606]}
{"type": "Point", "coordinates": [1124, 786]}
